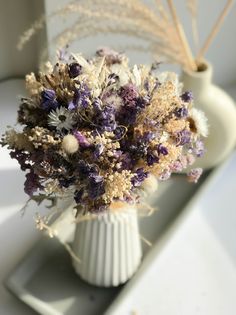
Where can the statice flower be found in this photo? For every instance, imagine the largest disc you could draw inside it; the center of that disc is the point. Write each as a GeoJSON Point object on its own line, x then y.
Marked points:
{"type": "Point", "coordinates": [194, 175]}
{"type": "Point", "coordinates": [139, 177]}
{"type": "Point", "coordinates": [181, 112]}
{"type": "Point", "coordinates": [187, 96]}
{"type": "Point", "coordinates": [74, 69]}
{"type": "Point", "coordinates": [199, 149]}
{"type": "Point", "coordinates": [106, 119]}
{"type": "Point", "coordinates": [183, 137]}
{"type": "Point", "coordinates": [83, 141]}
{"type": "Point", "coordinates": [96, 186]}
{"type": "Point", "coordinates": [49, 101]}
{"type": "Point", "coordinates": [32, 183]}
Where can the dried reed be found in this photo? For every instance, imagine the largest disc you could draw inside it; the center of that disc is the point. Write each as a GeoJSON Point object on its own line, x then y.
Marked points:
{"type": "Point", "coordinates": [160, 29]}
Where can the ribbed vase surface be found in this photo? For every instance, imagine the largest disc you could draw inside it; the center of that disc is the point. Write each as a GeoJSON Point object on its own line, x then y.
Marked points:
{"type": "Point", "coordinates": [109, 247]}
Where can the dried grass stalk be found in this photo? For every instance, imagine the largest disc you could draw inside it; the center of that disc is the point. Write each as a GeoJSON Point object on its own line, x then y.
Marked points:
{"type": "Point", "coordinates": [192, 6]}
{"type": "Point", "coordinates": [132, 18]}
{"type": "Point", "coordinates": [160, 28]}
{"type": "Point", "coordinates": [214, 30]}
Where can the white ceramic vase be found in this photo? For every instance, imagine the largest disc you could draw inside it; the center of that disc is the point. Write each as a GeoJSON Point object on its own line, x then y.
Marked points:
{"type": "Point", "coordinates": [220, 110]}
{"type": "Point", "coordinates": [109, 247]}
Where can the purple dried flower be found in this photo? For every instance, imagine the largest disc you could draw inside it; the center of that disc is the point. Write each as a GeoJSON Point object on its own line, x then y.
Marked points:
{"type": "Point", "coordinates": [139, 177]}
{"type": "Point", "coordinates": [126, 161]}
{"type": "Point", "coordinates": [22, 158]}
{"type": "Point", "coordinates": [128, 115]}
{"type": "Point", "coordinates": [151, 159]}
{"type": "Point", "coordinates": [165, 175]}
{"type": "Point", "coordinates": [78, 194]}
{"type": "Point", "coordinates": [183, 137]}
{"type": "Point", "coordinates": [187, 96]}
{"type": "Point", "coordinates": [71, 105]}
{"type": "Point", "coordinates": [96, 186]}
{"type": "Point", "coordinates": [97, 105]}
{"type": "Point", "coordinates": [161, 149]}
{"type": "Point", "coordinates": [199, 149]}
{"type": "Point", "coordinates": [48, 101]}
{"type": "Point", "coordinates": [111, 56]}
{"type": "Point", "coordinates": [147, 137]}
{"type": "Point", "coordinates": [119, 132]}
{"type": "Point", "coordinates": [194, 175]}
{"type": "Point", "coordinates": [83, 142]}
{"type": "Point", "coordinates": [85, 170]}
{"type": "Point", "coordinates": [117, 154]}
{"type": "Point", "coordinates": [98, 150]}
{"type": "Point", "coordinates": [81, 98]}
{"type": "Point", "coordinates": [129, 94]}
{"type": "Point", "coordinates": [138, 150]}
{"type": "Point", "coordinates": [32, 183]}
{"type": "Point", "coordinates": [177, 166]}
{"type": "Point", "coordinates": [141, 102]}
{"type": "Point", "coordinates": [66, 182]}
{"type": "Point", "coordinates": [74, 69]}
{"type": "Point", "coordinates": [181, 112]}
{"type": "Point", "coordinates": [106, 119]}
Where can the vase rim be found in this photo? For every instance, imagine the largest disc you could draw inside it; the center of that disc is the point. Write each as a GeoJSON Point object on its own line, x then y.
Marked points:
{"type": "Point", "coordinates": [204, 69]}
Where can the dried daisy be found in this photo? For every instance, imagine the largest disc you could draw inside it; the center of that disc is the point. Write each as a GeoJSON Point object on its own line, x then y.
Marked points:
{"type": "Point", "coordinates": [61, 119]}
{"type": "Point", "coordinates": [198, 122]}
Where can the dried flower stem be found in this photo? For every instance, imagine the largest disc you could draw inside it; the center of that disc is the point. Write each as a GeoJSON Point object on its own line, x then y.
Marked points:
{"type": "Point", "coordinates": [214, 30]}
{"type": "Point", "coordinates": [192, 7]}
{"type": "Point", "coordinates": [182, 36]}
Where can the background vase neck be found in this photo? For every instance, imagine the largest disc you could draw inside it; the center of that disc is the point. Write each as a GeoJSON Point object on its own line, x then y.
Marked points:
{"type": "Point", "coordinates": [197, 81]}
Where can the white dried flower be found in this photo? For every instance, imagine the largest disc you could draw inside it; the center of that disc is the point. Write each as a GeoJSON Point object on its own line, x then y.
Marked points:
{"type": "Point", "coordinates": [61, 118]}
{"type": "Point", "coordinates": [167, 76]}
{"type": "Point", "coordinates": [200, 121]}
{"type": "Point", "coordinates": [150, 184]}
{"type": "Point", "coordinates": [122, 73]}
{"type": "Point", "coordinates": [136, 78]}
{"type": "Point", "coordinates": [70, 144]}
{"type": "Point", "coordinates": [114, 100]}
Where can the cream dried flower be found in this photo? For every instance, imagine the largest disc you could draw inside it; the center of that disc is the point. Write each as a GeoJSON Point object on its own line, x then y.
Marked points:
{"type": "Point", "coordinates": [198, 122]}
{"type": "Point", "coordinates": [70, 144]}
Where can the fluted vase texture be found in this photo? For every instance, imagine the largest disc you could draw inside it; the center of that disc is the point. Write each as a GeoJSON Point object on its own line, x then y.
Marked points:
{"type": "Point", "coordinates": [109, 247]}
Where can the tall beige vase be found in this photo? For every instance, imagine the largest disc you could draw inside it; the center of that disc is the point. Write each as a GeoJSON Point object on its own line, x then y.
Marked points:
{"type": "Point", "coordinates": [220, 110]}
{"type": "Point", "coordinates": [109, 247]}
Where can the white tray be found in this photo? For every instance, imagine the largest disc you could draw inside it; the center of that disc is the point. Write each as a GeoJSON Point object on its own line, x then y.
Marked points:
{"type": "Point", "coordinates": [46, 281]}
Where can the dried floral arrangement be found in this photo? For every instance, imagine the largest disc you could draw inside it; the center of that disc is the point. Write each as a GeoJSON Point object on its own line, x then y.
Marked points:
{"type": "Point", "coordinates": [158, 26]}
{"type": "Point", "coordinates": [97, 129]}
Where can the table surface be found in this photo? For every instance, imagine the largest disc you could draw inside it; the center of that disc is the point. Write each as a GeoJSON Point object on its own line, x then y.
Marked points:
{"type": "Point", "coordinates": [17, 235]}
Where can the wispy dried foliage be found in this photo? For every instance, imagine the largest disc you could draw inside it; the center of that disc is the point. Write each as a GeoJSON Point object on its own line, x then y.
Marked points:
{"type": "Point", "coordinates": [132, 18]}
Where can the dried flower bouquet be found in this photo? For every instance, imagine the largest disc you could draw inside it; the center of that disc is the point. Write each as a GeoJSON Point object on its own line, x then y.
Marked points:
{"type": "Point", "coordinates": [98, 130]}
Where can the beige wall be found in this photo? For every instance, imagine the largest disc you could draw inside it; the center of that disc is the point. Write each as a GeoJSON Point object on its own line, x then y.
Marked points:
{"type": "Point", "coordinates": [15, 17]}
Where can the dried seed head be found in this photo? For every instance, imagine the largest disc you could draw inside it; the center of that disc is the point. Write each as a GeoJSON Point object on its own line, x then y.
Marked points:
{"type": "Point", "coordinates": [70, 144]}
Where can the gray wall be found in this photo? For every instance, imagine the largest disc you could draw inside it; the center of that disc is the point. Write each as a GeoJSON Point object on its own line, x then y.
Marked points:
{"type": "Point", "coordinates": [15, 17]}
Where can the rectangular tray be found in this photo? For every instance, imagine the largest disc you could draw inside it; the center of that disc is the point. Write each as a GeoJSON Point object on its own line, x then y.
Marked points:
{"type": "Point", "coordinates": [46, 281]}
